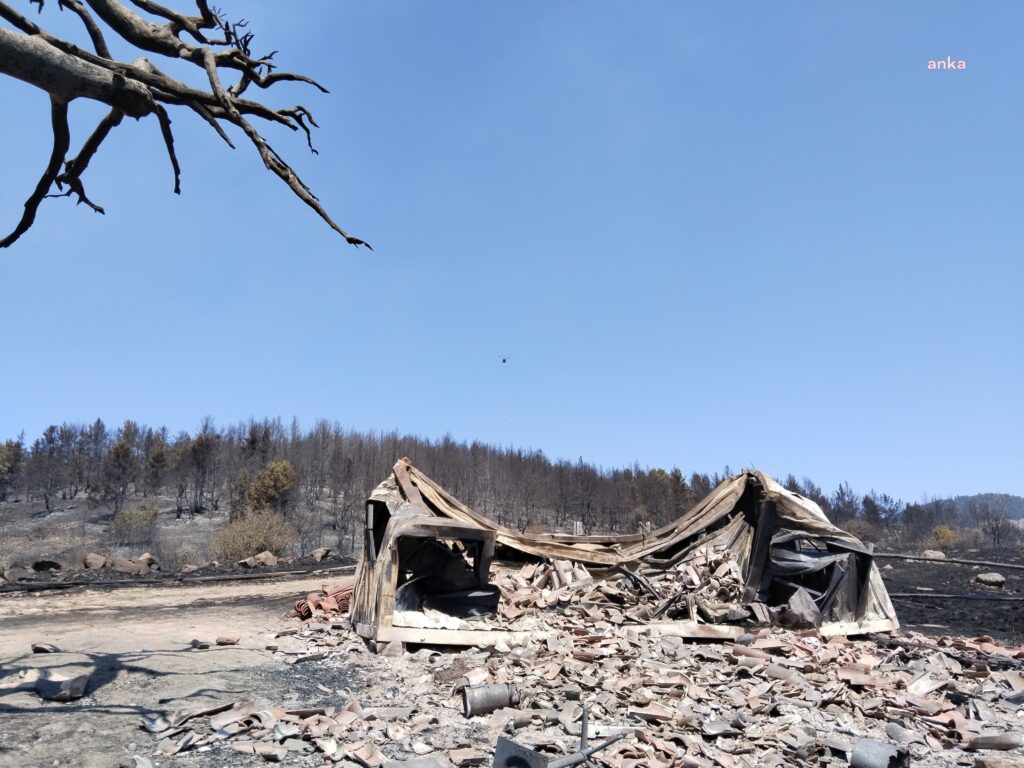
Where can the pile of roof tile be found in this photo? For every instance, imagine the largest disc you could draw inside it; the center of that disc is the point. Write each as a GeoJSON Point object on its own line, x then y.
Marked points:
{"type": "Point", "coordinates": [707, 587]}
{"type": "Point", "coordinates": [271, 732]}
{"type": "Point", "coordinates": [769, 697]}
{"type": "Point", "coordinates": [328, 603]}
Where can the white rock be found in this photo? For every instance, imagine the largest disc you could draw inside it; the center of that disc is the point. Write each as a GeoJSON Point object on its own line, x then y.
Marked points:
{"type": "Point", "coordinates": [57, 688]}
{"type": "Point", "coordinates": [991, 579]}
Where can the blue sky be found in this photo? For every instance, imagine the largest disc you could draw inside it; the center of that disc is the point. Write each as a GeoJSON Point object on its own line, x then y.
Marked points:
{"type": "Point", "coordinates": [704, 236]}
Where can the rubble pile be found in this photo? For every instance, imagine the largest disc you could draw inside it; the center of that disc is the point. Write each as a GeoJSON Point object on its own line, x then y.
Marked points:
{"type": "Point", "coordinates": [707, 587]}
{"type": "Point", "coordinates": [271, 732]}
{"type": "Point", "coordinates": [769, 697]}
{"type": "Point", "coordinates": [608, 637]}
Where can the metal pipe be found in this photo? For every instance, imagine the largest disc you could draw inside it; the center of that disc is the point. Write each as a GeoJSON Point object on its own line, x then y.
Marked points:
{"type": "Point", "coordinates": [578, 757]}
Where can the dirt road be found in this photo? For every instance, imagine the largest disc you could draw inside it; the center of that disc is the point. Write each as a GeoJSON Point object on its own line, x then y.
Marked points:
{"type": "Point", "coordinates": [137, 644]}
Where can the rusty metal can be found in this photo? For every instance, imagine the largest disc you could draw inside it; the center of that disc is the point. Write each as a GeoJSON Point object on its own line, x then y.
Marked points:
{"type": "Point", "coordinates": [484, 699]}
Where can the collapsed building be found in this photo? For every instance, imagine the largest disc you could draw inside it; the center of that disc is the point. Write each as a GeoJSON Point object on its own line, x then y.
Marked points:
{"type": "Point", "coordinates": [613, 661]}
{"type": "Point", "coordinates": [771, 556]}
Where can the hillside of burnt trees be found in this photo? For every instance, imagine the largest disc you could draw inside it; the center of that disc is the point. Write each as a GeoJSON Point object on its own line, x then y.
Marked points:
{"type": "Point", "coordinates": [318, 478]}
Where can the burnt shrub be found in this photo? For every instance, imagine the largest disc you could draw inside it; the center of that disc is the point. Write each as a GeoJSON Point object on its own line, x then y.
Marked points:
{"type": "Point", "coordinates": [251, 534]}
{"type": "Point", "coordinates": [134, 527]}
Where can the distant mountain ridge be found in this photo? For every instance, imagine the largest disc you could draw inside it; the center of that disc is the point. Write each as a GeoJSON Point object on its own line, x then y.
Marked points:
{"type": "Point", "coordinates": [1010, 505]}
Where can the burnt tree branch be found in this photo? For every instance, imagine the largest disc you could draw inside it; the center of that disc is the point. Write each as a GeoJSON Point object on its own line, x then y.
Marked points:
{"type": "Point", "coordinates": [95, 33]}
{"type": "Point", "coordinates": [140, 89]}
{"type": "Point", "coordinates": [61, 142]}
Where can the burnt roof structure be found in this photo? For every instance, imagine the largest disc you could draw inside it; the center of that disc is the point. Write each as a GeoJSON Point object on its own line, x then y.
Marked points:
{"type": "Point", "coordinates": [423, 547]}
